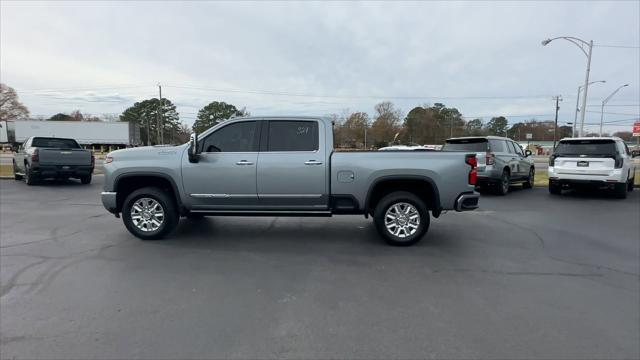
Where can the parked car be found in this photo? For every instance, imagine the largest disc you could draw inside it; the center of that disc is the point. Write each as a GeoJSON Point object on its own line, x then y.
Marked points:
{"type": "Point", "coordinates": [602, 162]}
{"type": "Point", "coordinates": [501, 161]}
{"type": "Point", "coordinates": [46, 157]}
{"type": "Point", "coordinates": [284, 166]}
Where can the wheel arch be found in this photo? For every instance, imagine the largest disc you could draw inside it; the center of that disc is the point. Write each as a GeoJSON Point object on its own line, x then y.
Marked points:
{"type": "Point", "coordinates": [125, 184]}
{"type": "Point", "coordinates": [422, 186]}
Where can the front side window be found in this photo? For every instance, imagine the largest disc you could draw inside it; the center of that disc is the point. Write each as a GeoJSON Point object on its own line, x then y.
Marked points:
{"type": "Point", "coordinates": [236, 137]}
{"type": "Point", "coordinates": [516, 148]}
{"type": "Point", "coordinates": [293, 136]}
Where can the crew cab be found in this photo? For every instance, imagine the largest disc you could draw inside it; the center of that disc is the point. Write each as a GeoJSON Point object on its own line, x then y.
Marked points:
{"type": "Point", "coordinates": [49, 157]}
{"type": "Point", "coordinates": [284, 166]}
{"type": "Point", "coordinates": [602, 162]}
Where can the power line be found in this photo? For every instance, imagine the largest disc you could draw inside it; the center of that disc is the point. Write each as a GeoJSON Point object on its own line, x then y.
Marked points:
{"type": "Point", "coordinates": [397, 97]}
{"type": "Point", "coordinates": [113, 87]}
{"type": "Point", "coordinates": [612, 113]}
{"type": "Point", "coordinates": [618, 46]}
{"type": "Point", "coordinates": [608, 105]}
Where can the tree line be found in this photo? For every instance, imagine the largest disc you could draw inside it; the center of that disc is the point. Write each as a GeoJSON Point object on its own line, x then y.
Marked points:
{"type": "Point", "coordinates": [159, 122]}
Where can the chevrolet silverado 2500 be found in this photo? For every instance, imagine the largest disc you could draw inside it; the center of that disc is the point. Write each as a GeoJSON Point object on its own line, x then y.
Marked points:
{"type": "Point", "coordinates": [284, 166]}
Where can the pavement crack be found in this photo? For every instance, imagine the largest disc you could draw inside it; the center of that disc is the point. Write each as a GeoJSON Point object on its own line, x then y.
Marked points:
{"type": "Point", "coordinates": [13, 280]}
{"type": "Point", "coordinates": [517, 273]}
{"type": "Point", "coordinates": [55, 237]}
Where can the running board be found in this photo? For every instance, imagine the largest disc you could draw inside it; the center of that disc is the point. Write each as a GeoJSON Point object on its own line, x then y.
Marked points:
{"type": "Point", "coordinates": [262, 213]}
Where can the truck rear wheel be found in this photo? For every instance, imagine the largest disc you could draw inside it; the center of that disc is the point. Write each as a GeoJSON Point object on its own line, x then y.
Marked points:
{"type": "Point", "coordinates": [401, 218]}
{"type": "Point", "coordinates": [16, 176]}
{"type": "Point", "coordinates": [149, 213]}
{"type": "Point", "coordinates": [85, 179]}
{"type": "Point", "coordinates": [29, 177]}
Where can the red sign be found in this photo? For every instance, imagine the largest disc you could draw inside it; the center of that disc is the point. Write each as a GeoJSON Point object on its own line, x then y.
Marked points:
{"type": "Point", "coordinates": [636, 128]}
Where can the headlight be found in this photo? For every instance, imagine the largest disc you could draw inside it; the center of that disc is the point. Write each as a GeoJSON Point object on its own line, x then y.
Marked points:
{"type": "Point", "coordinates": [108, 160]}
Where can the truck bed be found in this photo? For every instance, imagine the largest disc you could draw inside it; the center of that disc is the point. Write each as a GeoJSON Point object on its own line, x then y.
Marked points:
{"type": "Point", "coordinates": [354, 172]}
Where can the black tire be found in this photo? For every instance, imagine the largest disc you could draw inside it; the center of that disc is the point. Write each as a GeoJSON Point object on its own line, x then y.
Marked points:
{"type": "Point", "coordinates": [398, 198]}
{"type": "Point", "coordinates": [630, 185]}
{"type": "Point", "coordinates": [85, 179]}
{"type": "Point", "coordinates": [620, 190]}
{"type": "Point", "coordinates": [530, 180]}
{"type": "Point", "coordinates": [555, 189]}
{"type": "Point", "coordinates": [168, 206]}
{"type": "Point", "coordinates": [502, 187]}
{"type": "Point", "coordinates": [29, 177]}
{"type": "Point", "coordinates": [16, 176]}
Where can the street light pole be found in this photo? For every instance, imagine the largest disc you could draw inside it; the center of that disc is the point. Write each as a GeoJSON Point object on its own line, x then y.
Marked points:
{"type": "Point", "coordinates": [604, 102]}
{"type": "Point", "coordinates": [586, 89]}
{"type": "Point", "coordinates": [575, 118]}
{"type": "Point", "coordinates": [582, 45]}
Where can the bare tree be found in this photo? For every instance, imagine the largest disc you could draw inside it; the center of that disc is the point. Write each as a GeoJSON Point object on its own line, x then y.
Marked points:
{"type": "Point", "coordinates": [10, 107]}
{"type": "Point", "coordinates": [386, 127]}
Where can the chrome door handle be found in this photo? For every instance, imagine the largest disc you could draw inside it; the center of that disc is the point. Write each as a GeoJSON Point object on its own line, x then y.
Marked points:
{"type": "Point", "coordinates": [312, 162]}
{"type": "Point", "coordinates": [244, 162]}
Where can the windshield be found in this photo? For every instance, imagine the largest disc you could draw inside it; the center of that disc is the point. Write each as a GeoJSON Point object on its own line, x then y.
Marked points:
{"type": "Point", "coordinates": [55, 143]}
{"type": "Point", "coordinates": [477, 145]}
{"type": "Point", "coordinates": [586, 147]}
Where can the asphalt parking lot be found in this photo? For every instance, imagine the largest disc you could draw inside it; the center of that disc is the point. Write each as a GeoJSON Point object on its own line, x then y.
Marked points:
{"type": "Point", "coordinates": [528, 275]}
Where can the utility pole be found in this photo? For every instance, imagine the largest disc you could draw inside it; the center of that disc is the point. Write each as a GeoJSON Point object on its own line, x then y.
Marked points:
{"type": "Point", "coordinates": [555, 127]}
{"type": "Point", "coordinates": [365, 135]}
{"type": "Point", "coordinates": [148, 131]}
{"type": "Point", "coordinates": [159, 137]}
{"type": "Point", "coordinates": [451, 127]}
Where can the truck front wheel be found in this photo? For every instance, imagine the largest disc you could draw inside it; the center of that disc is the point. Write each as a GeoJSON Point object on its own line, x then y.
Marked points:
{"type": "Point", "coordinates": [401, 218]}
{"type": "Point", "coordinates": [149, 213]}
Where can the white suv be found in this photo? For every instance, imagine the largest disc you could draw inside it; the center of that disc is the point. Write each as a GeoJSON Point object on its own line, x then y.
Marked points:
{"type": "Point", "coordinates": [597, 161]}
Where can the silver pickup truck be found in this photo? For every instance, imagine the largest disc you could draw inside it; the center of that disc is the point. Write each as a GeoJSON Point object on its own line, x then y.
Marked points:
{"type": "Point", "coordinates": [284, 166]}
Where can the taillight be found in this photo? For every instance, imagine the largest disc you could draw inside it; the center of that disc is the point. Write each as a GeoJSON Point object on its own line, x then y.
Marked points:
{"type": "Point", "coordinates": [473, 174]}
{"type": "Point", "coordinates": [491, 159]}
{"type": "Point", "coordinates": [619, 162]}
{"type": "Point", "coordinates": [35, 156]}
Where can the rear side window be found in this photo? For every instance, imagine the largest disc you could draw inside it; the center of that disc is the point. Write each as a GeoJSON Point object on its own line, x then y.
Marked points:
{"type": "Point", "coordinates": [586, 147]}
{"type": "Point", "coordinates": [293, 136]}
{"type": "Point", "coordinates": [498, 146]}
{"type": "Point", "coordinates": [475, 145]}
{"type": "Point", "coordinates": [55, 143]}
{"type": "Point", "coordinates": [237, 137]}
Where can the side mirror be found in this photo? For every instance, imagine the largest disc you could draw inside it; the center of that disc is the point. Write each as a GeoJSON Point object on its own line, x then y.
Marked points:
{"type": "Point", "coordinates": [193, 148]}
{"type": "Point", "coordinates": [527, 153]}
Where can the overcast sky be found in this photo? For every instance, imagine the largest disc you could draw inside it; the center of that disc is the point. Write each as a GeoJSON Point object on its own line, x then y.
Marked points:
{"type": "Point", "coordinates": [485, 58]}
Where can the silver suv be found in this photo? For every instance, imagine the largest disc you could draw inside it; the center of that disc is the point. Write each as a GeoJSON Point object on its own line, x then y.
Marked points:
{"type": "Point", "coordinates": [501, 161]}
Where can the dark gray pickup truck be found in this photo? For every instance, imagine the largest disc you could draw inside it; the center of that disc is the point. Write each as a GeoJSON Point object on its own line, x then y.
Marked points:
{"type": "Point", "coordinates": [44, 157]}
